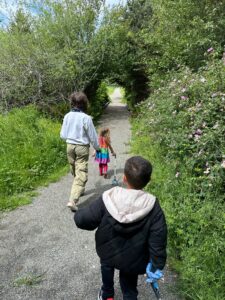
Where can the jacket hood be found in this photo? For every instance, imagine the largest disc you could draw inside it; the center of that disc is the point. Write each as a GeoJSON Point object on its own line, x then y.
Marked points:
{"type": "Point", "coordinates": [128, 205]}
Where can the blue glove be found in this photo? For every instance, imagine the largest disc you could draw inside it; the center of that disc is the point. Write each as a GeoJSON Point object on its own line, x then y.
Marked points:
{"type": "Point", "coordinates": [153, 276]}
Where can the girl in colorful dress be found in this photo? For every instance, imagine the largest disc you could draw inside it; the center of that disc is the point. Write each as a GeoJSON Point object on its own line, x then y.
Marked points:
{"type": "Point", "coordinates": [102, 155]}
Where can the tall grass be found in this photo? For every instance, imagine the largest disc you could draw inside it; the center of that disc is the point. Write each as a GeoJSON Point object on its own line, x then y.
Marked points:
{"type": "Point", "coordinates": [30, 151]}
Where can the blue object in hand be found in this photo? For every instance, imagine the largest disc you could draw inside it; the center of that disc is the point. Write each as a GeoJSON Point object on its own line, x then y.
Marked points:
{"type": "Point", "coordinates": [153, 276]}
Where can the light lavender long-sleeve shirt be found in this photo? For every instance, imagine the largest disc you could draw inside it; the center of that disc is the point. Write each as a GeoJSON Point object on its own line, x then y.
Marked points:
{"type": "Point", "coordinates": [78, 128]}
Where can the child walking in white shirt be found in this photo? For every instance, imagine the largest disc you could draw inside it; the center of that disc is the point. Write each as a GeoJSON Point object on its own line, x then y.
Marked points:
{"type": "Point", "coordinates": [79, 132]}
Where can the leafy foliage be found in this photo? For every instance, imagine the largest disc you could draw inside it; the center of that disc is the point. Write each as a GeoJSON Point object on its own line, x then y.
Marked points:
{"type": "Point", "coordinates": [168, 52]}
{"type": "Point", "coordinates": [30, 151]}
{"type": "Point", "coordinates": [180, 128]}
{"type": "Point", "coordinates": [57, 54]}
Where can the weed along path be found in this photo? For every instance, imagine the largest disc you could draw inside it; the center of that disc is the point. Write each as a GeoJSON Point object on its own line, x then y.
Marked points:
{"type": "Point", "coordinates": [43, 255]}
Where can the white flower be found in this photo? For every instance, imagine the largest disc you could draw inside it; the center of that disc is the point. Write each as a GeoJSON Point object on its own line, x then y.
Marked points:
{"type": "Point", "coordinates": [207, 171]}
{"type": "Point", "coordinates": [214, 95]}
{"type": "Point", "coordinates": [202, 79]}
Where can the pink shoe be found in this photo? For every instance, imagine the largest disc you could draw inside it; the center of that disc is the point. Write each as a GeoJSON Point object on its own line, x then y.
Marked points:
{"type": "Point", "coordinates": [100, 296]}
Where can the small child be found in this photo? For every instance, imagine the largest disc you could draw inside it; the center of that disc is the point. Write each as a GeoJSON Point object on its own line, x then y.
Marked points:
{"type": "Point", "coordinates": [131, 231]}
{"type": "Point", "coordinates": [102, 156]}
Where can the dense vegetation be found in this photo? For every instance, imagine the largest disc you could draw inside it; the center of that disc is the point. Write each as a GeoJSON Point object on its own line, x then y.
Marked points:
{"type": "Point", "coordinates": [47, 55]}
{"type": "Point", "coordinates": [180, 128]}
{"type": "Point", "coordinates": [30, 152]}
{"type": "Point", "coordinates": [169, 57]}
{"type": "Point", "coordinates": [44, 57]}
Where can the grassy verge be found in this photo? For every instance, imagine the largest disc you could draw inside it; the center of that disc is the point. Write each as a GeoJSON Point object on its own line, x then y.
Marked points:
{"type": "Point", "coordinates": [32, 154]}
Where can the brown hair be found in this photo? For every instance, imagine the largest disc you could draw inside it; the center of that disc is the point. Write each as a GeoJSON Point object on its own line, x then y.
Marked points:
{"type": "Point", "coordinates": [105, 132]}
{"type": "Point", "coordinates": [79, 100]}
{"type": "Point", "coordinates": [138, 172]}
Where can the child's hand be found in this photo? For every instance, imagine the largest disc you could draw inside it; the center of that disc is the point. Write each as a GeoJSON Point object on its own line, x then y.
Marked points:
{"type": "Point", "coordinates": [93, 154]}
{"type": "Point", "coordinates": [114, 154]}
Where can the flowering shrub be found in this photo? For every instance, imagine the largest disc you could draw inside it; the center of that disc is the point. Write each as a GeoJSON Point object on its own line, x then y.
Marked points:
{"type": "Point", "coordinates": [180, 128]}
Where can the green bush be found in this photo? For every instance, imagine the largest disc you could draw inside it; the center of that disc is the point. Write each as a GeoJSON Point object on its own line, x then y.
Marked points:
{"type": "Point", "coordinates": [180, 128]}
{"type": "Point", "coordinates": [99, 100]}
{"type": "Point", "coordinates": [30, 151]}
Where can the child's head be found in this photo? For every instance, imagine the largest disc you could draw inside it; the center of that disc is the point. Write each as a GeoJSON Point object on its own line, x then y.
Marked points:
{"type": "Point", "coordinates": [104, 132]}
{"type": "Point", "coordinates": [79, 100]}
{"type": "Point", "coordinates": [137, 172]}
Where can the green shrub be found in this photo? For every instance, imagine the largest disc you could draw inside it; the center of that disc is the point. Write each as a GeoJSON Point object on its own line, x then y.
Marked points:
{"type": "Point", "coordinates": [180, 128]}
{"type": "Point", "coordinates": [99, 100]}
{"type": "Point", "coordinates": [30, 151]}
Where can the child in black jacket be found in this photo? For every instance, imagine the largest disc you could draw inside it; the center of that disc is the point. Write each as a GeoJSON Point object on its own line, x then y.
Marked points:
{"type": "Point", "coordinates": [131, 230]}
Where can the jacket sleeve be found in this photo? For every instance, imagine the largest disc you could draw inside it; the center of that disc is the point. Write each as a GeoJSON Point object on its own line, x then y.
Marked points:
{"type": "Point", "coordinates": [157, 240]}
{"type": "Point", "coordinates": [91, 132]}
{"type": "Point", "coordinates": [63, 132]}
{"type": "Point", "coordinates": [89, 217]}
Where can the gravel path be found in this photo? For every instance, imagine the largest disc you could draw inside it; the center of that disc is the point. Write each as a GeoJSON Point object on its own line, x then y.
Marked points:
{"type": "Point", "coordinates": [43, 255]}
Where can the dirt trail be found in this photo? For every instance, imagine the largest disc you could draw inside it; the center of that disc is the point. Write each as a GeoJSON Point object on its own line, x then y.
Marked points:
{"type": "Point", "coordinates": [39, 242]}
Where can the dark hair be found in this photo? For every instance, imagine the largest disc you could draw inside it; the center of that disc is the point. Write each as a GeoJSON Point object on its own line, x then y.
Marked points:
{"type": "Point", "coordinates": [138, 172]}
{"type": "Point", "coordinates": [79, 100]}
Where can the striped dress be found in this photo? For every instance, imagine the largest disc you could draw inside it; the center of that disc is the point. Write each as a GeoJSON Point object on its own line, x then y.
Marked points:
{"type": "Point", "coordinates": [102, 156]}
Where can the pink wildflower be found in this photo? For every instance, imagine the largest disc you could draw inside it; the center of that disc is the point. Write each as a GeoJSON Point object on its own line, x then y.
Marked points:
{"type": "Point", "coordinates": [198, 131]}
{"type": "Point", "coordinates": [184, 97]}
{"type": "Point", "coordinates": [210, 50]}
{"type": "Point", "coordinates": [197, 134]}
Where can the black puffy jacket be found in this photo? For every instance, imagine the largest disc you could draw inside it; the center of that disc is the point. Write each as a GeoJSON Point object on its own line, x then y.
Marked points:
{"type": "Point", "coordinates": [126, 246]}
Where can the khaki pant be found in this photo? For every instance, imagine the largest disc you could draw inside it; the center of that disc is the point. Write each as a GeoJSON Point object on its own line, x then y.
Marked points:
{"type": "Point", "coordinates": [77, 156]}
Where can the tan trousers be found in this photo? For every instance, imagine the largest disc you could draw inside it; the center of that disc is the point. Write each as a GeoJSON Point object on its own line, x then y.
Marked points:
{"type": "Point", "coordinates": [77, 156]}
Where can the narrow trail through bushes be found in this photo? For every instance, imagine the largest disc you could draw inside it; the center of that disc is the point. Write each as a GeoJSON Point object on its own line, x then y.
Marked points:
{"type": "Point", "coordinates": [43, 255]}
